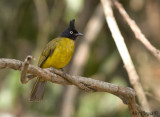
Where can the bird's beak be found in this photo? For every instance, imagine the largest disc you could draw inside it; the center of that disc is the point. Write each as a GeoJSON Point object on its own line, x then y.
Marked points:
{"type": "Point", "coordinates": [79, 34]}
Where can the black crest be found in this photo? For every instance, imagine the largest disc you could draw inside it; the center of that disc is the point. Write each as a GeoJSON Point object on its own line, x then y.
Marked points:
{"type": "Point", "coordinates": [71, 32]}
{"type": "Point", "coordinates": [71, 24]}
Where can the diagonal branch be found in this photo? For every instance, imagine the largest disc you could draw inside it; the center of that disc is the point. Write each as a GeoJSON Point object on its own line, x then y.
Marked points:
{"type": "Point", "coordinates": [125, 93]}
{"type": "Point", "coordinates": [136, 30]}
{"type": "Point", "coordinates": [122, 48]}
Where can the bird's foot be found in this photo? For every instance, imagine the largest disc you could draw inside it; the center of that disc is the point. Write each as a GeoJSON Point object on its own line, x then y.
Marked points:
{"type": "Point", "coordinates": [64, 73]}
{"type": "Point", "coordinates": [51, 69]}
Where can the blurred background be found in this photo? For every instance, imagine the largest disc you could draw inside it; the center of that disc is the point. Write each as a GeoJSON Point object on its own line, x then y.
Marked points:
{"type": "Point", "coordinates": [27, 25]}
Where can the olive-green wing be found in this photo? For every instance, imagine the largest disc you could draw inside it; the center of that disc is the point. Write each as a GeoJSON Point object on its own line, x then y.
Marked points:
{"type": "Point", "coordinates": [48, 50]}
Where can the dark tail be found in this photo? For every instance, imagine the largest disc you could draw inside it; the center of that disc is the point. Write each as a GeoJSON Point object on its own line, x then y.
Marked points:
{"type": "Point", "coordinates": [38, 90]}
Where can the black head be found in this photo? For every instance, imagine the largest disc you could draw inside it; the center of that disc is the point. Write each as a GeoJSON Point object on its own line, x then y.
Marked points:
{"type": "Point", "coordinates": [71, 32]}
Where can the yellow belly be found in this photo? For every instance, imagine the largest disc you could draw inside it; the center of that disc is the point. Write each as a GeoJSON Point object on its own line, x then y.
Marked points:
{"type": "Point", "coordinates": [61, 55]}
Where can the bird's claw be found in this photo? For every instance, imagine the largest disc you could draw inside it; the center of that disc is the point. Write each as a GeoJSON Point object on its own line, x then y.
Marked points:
{"type": "Point", "coordinates": [51, 69]}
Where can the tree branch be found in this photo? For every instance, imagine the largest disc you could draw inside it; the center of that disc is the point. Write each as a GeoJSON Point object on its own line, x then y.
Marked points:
{"type": "Point", "coordinates": [24, 69]}
{"type": "Point", "coordinates": [136, 30]}
{"type": "Point", "coordinates": [122, 48]}
{"type": "Point", "coordinates": [125, 93]}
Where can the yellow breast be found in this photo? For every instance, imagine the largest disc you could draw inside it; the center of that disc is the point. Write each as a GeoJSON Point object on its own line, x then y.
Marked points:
{"type": "Point", "coordinates": [61, 55]}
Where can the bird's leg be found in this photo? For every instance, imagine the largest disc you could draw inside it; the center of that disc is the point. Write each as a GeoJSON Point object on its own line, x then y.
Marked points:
{"type": "Point", "coordinates": [51, 69]}
{"type": "Point", "coordinates": [64, 73]}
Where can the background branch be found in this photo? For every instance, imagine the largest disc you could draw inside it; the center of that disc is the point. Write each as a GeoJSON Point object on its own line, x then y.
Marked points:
{"type": "Point", "coordinates": [136, 30]}
{"type": "Point", "coordinates": [118, 38]}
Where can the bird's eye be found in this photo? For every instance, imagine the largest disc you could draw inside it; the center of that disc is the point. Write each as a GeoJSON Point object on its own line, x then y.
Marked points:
{"type": "Point", "coordinates": [71, 32]}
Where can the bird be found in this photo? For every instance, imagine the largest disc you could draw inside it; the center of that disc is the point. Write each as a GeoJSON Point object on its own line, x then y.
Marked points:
{"type": "Point", "coordinates": [56, 54]}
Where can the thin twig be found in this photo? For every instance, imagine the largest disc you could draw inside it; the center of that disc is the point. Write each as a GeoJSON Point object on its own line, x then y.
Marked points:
{"type": "Point", "coordinates": [136, 30]}
{"type": "Point", "coordinates": [118, 38]}
{"type": "Point", "coordinates": [127, 93]}
{"type": "Point", "coordinates": [26, 63]}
